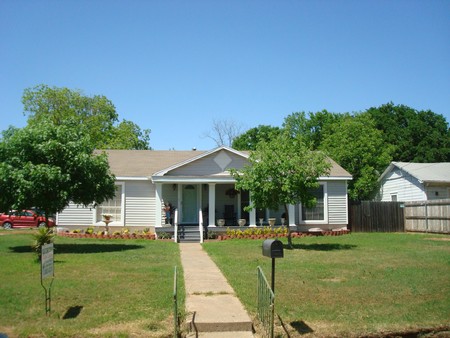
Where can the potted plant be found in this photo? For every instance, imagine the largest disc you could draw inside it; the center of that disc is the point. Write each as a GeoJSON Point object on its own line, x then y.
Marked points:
{"type": "Point", "coordinates": [272, 221]}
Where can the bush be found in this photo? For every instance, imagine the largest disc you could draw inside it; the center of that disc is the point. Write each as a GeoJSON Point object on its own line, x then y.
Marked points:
{"type": "Point", "coordinates": [164, 235]}
{"type": "Point", "coordinates": [43, 236]}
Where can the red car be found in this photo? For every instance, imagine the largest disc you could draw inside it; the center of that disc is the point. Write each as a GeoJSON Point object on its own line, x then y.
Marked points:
{"type": "Point", "coordinates": [24, 219]}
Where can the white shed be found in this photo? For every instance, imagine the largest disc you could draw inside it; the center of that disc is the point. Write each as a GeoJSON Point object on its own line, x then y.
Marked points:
{"type": "Point", "coordinates": [407, 181]}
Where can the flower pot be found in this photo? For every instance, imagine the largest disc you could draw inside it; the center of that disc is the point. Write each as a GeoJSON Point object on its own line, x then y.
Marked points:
{"type": "Point", "coordinates": [272, 221]}
{"type": "Point", "coordinates": [242, 222]}
{"type": "Point", "coordinates": [221, 222]}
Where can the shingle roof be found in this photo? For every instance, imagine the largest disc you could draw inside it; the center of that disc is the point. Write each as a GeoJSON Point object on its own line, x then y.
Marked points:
{"type": "Point", "coordinates": [144, 163]}
{"type": "Point", "coordinates": [426, 172]}
{"type": "Point", "coordinates": [337, 171]}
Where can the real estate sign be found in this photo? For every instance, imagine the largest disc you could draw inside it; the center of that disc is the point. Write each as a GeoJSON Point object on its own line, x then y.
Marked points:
{"type": "Point", "coordinates": [47, 261]}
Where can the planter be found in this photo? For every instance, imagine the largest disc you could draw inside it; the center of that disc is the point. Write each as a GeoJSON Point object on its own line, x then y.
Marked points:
{"type": "Point", "coordinates": [272, 221]}
{"type": "Point", "coordinates": [242, 222]}
{"type": "Point", "coordinates": [221, 222]}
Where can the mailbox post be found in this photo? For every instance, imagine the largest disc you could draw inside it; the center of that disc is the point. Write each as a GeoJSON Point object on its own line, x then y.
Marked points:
{"type": "Point", "coordinates": [273, 248]}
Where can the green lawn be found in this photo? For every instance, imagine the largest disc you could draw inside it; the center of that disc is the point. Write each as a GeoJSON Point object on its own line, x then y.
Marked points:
{"type": "Point", "coordinates": [350, 285]}
{"type": "Point", "coordinates": [101, 288]}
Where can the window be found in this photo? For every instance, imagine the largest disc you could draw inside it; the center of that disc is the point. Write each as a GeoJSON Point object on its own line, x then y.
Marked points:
{"type": "Point", "coordinates": [318, 213]}
{"type": "Point", "coordinates": [112, 207]}
{"type": "Point", "coordinates": [394, 197]}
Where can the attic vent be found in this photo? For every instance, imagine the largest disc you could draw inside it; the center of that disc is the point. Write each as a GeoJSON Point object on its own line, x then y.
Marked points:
{"type": "Point", "coordinates": [222, 160]}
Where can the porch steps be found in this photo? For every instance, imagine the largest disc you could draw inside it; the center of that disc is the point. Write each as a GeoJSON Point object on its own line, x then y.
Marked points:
{"type": "Point", "coordinates": [188, 233]}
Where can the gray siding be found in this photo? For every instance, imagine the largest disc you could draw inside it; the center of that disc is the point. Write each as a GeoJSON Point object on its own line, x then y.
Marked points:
{"type": "Point", "coordinates": [75, 215]}
{"type": "Point", "coordinates": [438, 192]}
{"type": "Point", "coordinates": [208, 166]}
{"type": "Point", "coordinates": [406, 187]}
{"type": "Point", "coordinates": [140, 203]}
{"type": "Point", "coordinates": [337, 202]}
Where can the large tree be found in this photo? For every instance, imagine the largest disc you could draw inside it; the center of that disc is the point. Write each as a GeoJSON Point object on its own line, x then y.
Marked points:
{"type": "Point", "coordinates": [355, 143]}
{"type": "Point", "coordinates": [417, 136]}
{"type": "Point", "coordinates": [46, 166]}
{"type": "Point", "coordinates": [250, 139]}
{"type": "Point", "coordinates": [310, 128]}
{"type": "Point", "coordinates": [96, 112]}
{"type": "Point", "coordinates": [223, 132]}
{"type": "Point", "coordinates": [282, 171]}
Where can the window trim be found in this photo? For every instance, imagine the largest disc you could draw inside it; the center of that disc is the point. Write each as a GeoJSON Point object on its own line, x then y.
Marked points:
{"type": "Point", "coordinates": [325, 208]}
{"type": "Point", "coordinates": [122, 206]}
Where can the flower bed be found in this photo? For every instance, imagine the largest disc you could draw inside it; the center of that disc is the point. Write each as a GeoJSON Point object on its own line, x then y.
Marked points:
{"type": "Point", "coordinates": [267, 232]}
{"type": "Point", "coordinates": [124, 234]}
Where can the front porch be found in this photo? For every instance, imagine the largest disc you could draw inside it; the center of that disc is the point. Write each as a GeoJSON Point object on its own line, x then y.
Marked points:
{"type": "Point", "coordinates": [221, 205]}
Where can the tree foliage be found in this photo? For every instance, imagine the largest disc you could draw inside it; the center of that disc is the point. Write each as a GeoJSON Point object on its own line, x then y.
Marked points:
{"type": "Point", "coordinates": [250, 139]}
{"type": "Point", "coordinates": [128, 135]}
{"type": "Point", "coordinates": [310, 128]}
{"type": "Point", "coordinates": [97, 113]}
{"type": "Point", "coordinates": [355, 143]}
{"type": "Point", "coordinates": [282, 171]}
{"type": "Point", "coordinates": [47, 165]}
{"type": "Point", "coordinates": [417, 136]}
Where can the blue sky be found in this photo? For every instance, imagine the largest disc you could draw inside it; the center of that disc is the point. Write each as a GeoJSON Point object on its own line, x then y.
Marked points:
{"type": "Point", "coordinates": [176, 66]}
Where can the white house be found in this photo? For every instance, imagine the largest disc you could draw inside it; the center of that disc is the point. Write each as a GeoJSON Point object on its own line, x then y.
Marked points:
{"type": "Point", "coordinates": [406, 181]}
{"type": "Point", "coordinates": [199, 185]}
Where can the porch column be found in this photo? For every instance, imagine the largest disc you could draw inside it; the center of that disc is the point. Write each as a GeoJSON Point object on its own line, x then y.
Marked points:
{"type": "Point", "coordinates": [291, 220]}
{"type": "Point", "coordinates": [158, 193]}
{"type": "Point", "coordinates": [180, 204]}
{"type": "Point", "coordinates": [252, 214]}
{"type": "Point", "coordinates": [212, 205]}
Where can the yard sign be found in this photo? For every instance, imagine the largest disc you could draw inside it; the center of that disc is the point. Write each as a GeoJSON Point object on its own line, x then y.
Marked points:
{"type": "Point", "coordinates": [47, 261]}
{"type": "Point", "coordinates": [47, 271]}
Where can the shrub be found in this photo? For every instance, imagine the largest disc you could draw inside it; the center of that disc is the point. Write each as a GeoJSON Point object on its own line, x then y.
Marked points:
{"type": "Point", "coordinates": [43, 236]}
{"type": "Point", "coordinates": [164, 235]}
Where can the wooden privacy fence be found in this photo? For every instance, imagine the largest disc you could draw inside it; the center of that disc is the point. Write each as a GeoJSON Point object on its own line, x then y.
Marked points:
{"type": "Point", "coordinates": [428, 216]}
{"type": "Point", "coordinates": [368, 216]}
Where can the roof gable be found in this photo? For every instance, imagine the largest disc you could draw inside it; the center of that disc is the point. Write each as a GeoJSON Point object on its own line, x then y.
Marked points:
{"type": "Point", "coordinates": [424, 172]}
{"type": "Point", "coordinates": [215, 162]}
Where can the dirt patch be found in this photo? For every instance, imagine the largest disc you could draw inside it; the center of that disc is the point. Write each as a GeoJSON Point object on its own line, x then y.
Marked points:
{"type": "Point", "coordinates": [134, 329]}
{"type": "Point", "coordinates": [445, 239]}
{"type": "Point", "coordinates": [16, 232]}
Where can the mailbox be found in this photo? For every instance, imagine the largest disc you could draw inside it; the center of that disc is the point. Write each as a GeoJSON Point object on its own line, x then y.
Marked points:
{"type": "Point", "coordinates": [273, 248]}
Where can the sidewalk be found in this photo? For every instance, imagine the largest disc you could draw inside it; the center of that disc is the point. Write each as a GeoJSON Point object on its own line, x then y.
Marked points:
{"type": "Point", "coordinates": [211, 304]}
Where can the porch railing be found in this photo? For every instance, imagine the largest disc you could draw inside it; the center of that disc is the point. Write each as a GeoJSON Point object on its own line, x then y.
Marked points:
{"type": "Point", "coordinates": [175, 223]}
{"type": "Point", "coordinates": [200, 224]}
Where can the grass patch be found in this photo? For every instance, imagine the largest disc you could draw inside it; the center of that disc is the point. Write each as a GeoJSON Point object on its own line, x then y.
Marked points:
{"type": "Point", "coordinates": [350, 285]}
{"type": "Point", "coordinates": [101, 288]}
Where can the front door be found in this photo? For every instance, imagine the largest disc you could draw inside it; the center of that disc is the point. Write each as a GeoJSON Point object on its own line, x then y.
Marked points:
{"type": "Point", "coordinates": [190, 206]}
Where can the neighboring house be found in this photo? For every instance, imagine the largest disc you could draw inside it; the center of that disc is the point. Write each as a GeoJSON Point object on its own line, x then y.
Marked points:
{"type": "Point", "coordinates": [405, 181]}
{"type": "Point", "coordinates": [198, 184]}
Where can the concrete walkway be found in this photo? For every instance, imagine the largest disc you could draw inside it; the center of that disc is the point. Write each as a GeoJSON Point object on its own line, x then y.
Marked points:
{"type": "Point", "coordinates": [211, 304]}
